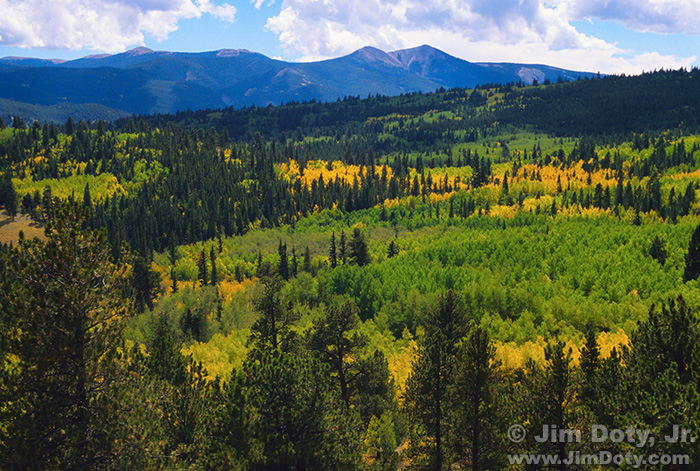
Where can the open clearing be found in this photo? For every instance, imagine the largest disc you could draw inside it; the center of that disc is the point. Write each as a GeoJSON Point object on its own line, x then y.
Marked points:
{"type": "Point", "coordinates": [9, 230]}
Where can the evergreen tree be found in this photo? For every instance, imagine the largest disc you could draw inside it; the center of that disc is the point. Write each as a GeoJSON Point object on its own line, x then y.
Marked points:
{"type": "Point", "coordinates": [551, 394]}
{"type": "Point", "coordinates": [87, 199]}
{"type": "Point", "coordinates": [359, 252]}
{"type": "Point", "coordinates": [298, 423]}
{"type": "Point", "coordinates": [657, 250]}
{"type": "Point", "coordinates": [338, 343]}
{"type": "Point", "coordinates": [64, 334]}
{"type": "Point", "coordinates": [173, 280]}
{"type": "Point", "coordinates": [332, 255]}
{"type": "Point", "coordinates": [18, 123]}
{"type": "Point", "coordinates": [295, 263]}
{"type": "Point", "coordinates": [191, 325]}
{"type": "Point", "coordinates": [427, 398]}
{"type": "Point", "coordinates": [181, 391]}
{"type": "Point", "coordinates": [70, 126]}
{"type": "Point", "coordinates": [202, 268]}
{"type": "Point", "coordinates": [47, 204]}
{"type": "Point", "coordinates": [8, 195]}
{"type": "Point", "coordinates": [283, 266]}
{"type": "Point", "coordinates": [474, 408]}
{"type": "Point", "coordinates": [45, 137]}
{"type": "Point", "coordinates": [590, 364]}
{"type": "Point", "coordinates": [272, 329]}
{"type": "Point", "coordinates": [307, 260]}
{"type": "Point", "coordinates": [662, 373]}
{"type": "Point", "coordinates": [214, 272]}
{"type": "Point", "coordinates": [392, 250]}
{"type": "Point", "coordinates": [692, 258]}
{"type": "Point", "coordinates": [145, 282]}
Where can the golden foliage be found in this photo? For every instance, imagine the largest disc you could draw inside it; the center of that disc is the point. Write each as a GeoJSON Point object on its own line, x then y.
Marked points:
{"type": "Point", "coordinates": [513, 356]}
{"type": "Point", "coordinates": [221, 354]}
{"type": "Point", "coordinates": [316, 169]}
{"type": "Point", "coordinates": [609, 340]}
{"type": "Point", "coordinates": [228, 288]}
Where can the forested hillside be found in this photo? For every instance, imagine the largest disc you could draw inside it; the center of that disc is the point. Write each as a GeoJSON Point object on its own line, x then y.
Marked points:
{"type": "Point", "coordinates": [380, 283]}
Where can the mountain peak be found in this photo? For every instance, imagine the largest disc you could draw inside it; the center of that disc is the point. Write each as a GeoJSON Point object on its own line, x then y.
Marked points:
{"type": "Point", "coordinates": [231, 52]}
{"type": "Point", "coordinates": [372, 54]}
{"type": "Point", "coordinates": [137, 51]}
{"type": "Point", "coordinates": [423, 54]}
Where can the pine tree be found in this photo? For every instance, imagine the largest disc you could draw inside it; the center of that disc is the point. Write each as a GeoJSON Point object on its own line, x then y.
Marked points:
{"type": "Point", "coordinates": [298, 421]}
{"type": "Point", "coordinates": [214, 272]}
{"type": "Point", "coordinates": [8, 195]}
{"type": "Point", "coordinates": [87, 199]}
{"type": "Point", "coordinates": [692, 258]}
{"type": "Point", "coordinates": [145, 282]}
{"type": "Point", "coordinates": [551, 391]}
{"type": "Point", "coordinates": [590, 364]}
{"type": "Point", "coordinates": [173, 279]}
{"type": "Point", "coordinates": [295, 263]}
{"type": "Point", "coordinates": [332, 255]}
{"type": "Point", "coordinates": [64, 335]}
{"type": "Point", "coordinates": [70, 127]}
{"type": "Point", "coordinates": [657, 250]}
{"type": "Point", "coordinates": [283, 266]}
{"type": "Point", "coordinates": [474, 409]}
{"type": "Point", "coordinates": [202, 268]}
{"type": "Point", "coordinates": [392, 250]}
{"type": "Point", "coordinates": [427, 397]}
{"type": "Point", "coordinates": [47, 204]}
{"type": "Point", "coordinates": [662, 371]}
{"type": "Point", "coordinates": [359, 252]}
{"type": "Point", "coordinates": [338, 343]}
{"type": "Point", "coordinates": [272, 329]}
{"type": "Point", "coordinates": [307, 260]}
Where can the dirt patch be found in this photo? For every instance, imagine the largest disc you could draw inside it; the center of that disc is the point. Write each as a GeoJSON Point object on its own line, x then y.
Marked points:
{"type": "Point", "coordinates": [9, 230]}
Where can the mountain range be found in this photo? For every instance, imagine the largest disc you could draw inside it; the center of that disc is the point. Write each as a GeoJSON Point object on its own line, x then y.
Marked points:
{"type": "Point", "coordinates": [143, 81]}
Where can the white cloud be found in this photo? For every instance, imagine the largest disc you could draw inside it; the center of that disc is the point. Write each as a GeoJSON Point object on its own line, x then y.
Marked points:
{"type": "Point", "coordinates": [476, 30]}
{"type": "Point", "coordinates": [104, 25]}
{"type": "Point", "coordinates": [655, 16]}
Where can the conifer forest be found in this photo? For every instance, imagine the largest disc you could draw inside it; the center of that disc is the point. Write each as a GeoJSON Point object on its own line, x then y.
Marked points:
{"type": "Point", "coordinates": [456, 280]}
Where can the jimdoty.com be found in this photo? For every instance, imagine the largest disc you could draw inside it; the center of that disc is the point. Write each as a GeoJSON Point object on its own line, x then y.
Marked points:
{"type": "Point", "coordinates": [601, 434]}
{"type": "Point", "coordinates": [603, 458]}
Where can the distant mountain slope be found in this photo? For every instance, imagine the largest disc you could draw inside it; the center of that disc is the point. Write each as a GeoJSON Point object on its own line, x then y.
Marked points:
{"type": "Point", "coordinates": [145, 81]}
{"type": "Point", "coordinates": [529, 72]}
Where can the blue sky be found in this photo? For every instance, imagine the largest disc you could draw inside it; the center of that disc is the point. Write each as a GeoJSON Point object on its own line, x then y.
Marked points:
{"type": "Point", "coordinates": [610, 36]}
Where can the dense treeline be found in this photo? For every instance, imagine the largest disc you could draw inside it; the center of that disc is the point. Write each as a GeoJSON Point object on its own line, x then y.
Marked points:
{"type": "Point", "coordinates": [176, 172]}
{"type": "Point", "coordinates": [77, 397]}
{"type": "Point", "coordinates": [613, 105]}
{"type": "Point", "coordinates": [172, 173]}
{"type": "Point", "coordinates": [608, 106]}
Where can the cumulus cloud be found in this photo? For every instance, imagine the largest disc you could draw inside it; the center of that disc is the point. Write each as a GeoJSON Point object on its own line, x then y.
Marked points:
{"type": "Point", "coordinates": [655, 16]}
{"type": "Point", "coordinates": [476, 30]}
{"type": "Point", "coordinates": [105, 25]}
